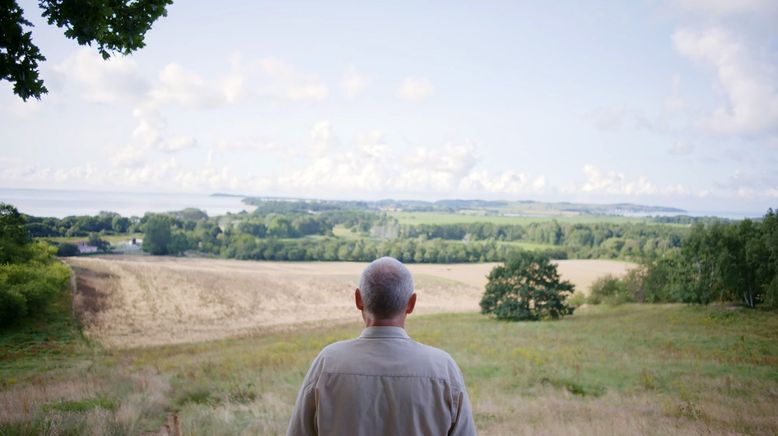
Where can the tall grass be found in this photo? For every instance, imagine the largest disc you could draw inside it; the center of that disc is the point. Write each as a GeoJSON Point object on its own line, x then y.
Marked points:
{"type": "Point", "coordinates": [632, 369]}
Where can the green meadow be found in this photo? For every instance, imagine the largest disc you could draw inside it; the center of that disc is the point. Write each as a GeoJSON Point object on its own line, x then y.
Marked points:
{"type": "Point", "coordinates": [647, 369]}
{"type": "Point", "coordinates": [442, 218]}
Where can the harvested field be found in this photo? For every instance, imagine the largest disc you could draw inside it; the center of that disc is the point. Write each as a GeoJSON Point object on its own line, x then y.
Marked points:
{"type": "Point", "coordinates": [141, 301]}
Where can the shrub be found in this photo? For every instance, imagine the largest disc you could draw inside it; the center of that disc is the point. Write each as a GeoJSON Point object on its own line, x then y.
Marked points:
{"type": "Point", "coordinates": [577, 300]}
{"type": "Point", "coordinates": [65, 249]}
{"type": "Point", "coordinates": [29, 277]}
{"type": "Point", "coordinates": [526, 287]}
{"type": "Point", "coordinates": [609, 290]}
{"type": "Point", "coordinates": [26, 289]}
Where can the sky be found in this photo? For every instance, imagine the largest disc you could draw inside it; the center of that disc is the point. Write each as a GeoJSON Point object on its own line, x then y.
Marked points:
{"type": "Point", "coordinates": [670, 103]}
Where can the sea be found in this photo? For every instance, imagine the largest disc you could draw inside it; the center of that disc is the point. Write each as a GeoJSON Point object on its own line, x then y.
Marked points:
{"type": "Point", "coordinates": [62, 203]}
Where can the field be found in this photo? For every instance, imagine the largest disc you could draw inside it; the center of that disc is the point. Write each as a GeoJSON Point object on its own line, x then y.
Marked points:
{"type": "Point", "coordinates": [632, 369]}
{"type": "Point", "coordinates": [136, 301]}
{"type": "Point", "coordinates": [415, 218]}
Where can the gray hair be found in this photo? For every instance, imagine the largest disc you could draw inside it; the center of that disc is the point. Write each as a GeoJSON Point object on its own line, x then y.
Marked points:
{"type": "Point", "coordinates": [386, 286]}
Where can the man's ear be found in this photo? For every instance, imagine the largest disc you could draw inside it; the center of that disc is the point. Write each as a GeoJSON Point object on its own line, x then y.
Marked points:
{"type": "Point", "coordinates": [411, 303]}
{"type": "Point", "coordinates": [358, 300]}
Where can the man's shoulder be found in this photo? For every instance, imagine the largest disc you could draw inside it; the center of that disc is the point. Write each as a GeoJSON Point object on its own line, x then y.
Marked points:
{"type": "Point", "coordinates": [412, 346]}
{"type": "Point", "coordinates": [440, 359]}
{"type": "Point", "coordinates": [338, 347]}
{"type": "Point", "coordinates": [433, 352]}
{"type": "Point", "coordinates": [397, 357]}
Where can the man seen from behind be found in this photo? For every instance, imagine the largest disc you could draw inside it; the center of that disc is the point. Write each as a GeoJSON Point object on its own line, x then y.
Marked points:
{"type": "Point", "coordinates": [383, 382]}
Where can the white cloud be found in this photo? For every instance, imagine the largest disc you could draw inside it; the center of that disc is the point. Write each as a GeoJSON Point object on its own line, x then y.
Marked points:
{"type": "Point", "coordinates": [415, 89]}
{"type": "Point", "coordinates": [323, 139]}
{"type": "Point", "coordinates": [749, 185]}
{"type": "Point", "coordinates": [373, 168]}
{"type": "Point", "coordinates": [613, 182]}
{"type": "Point", "coordinates": [722, 8]}
{"type": "Point", "coordinates": [353, 82]}
{"type": "Point", "coordinates": [748, 82]}
{"type": "Point", "coordinates": [148, 132]}
{"type": "Point", "coordinates": [292, 84]}
{"type": "Point", "coordinates": [177, 143]}
{"type": "Point", "coordinates": [130, 157]}
{"type": "Point", "coordinates": [454, 160]}
{"type": "Point", "coordinates": [373, 137]}
{"type": "Point", "coordinates": [248, 144]}
{"type": "Point", "coordinates": [507, 182]}
{"type": "Point", "coordinates": [114, 80]}
{"type": "Point", "coordinates": [148, 136]}
{"type": "Point", "coordinates": [177, 85]}
{"type": "Point", "coordinates": [372, 144]}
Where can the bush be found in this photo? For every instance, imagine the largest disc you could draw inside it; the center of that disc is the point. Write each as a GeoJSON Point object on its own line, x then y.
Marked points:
{"type": "Point", "coordinates": [577, 300]}
{"type": "Point", "coordinates": [65, 249]}
{"type": "Point", "coordinates": [26, 289]}
{"type": "Point", "coordinates": [29, 277]}
{"type": "Point", "coordinates": [526, 287]}
{"type": "Point", "coordinates": [609, 290]}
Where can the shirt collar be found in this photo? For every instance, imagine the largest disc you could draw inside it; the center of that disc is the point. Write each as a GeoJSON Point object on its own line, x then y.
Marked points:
{"type": "Point", "coordinates": [384, 332]}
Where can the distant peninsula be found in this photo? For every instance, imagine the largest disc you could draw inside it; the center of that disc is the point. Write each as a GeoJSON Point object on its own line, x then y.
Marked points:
{"type": "Point", "coordinates": [223, 194]}
{"type": "Point", "coordinates": [528, 208]}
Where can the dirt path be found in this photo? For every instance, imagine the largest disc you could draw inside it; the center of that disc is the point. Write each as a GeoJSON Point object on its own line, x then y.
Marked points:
{"type": "Point", "coordinates": [136, 301]}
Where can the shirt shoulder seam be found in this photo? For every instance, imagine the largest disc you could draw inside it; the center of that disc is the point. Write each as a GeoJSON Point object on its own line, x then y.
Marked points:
{"type": "Point", "coordinates": [443, 379]}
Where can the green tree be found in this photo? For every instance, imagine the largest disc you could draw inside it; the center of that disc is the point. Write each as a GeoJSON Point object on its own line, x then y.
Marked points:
{"type": "Point", "coordinates": [120, 224]}
{"type": "Point", "coordinates": [14, 236]}
{"type": "Point", "coordinates": [178, 244]}
{"type": "Point", "coordinates": [280, 227]}
{"type": "Point", "coordinates": [115, 26]}
{"type": "Point", "coordinates": [101, 244]}
{"type": "Point", "coordinates": [526, 287]}
{"type": "Point", "coordinates": [157, 235]}
{"type": "Point", "coordinates": [66, 250]}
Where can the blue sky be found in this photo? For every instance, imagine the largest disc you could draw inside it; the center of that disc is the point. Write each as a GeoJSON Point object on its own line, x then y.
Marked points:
{"type": "Point", "coordinates": [657, 102]}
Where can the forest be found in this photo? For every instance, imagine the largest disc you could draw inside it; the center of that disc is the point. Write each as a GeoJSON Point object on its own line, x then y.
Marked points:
{"type": "Point", "coordinates": [285, 230]}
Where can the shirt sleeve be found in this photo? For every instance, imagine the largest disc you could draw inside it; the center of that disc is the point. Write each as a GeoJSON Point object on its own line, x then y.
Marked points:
{"type": "Point", "coordinates": [303, 420]}
{"type": "Point", "coordinates": [463, 424]}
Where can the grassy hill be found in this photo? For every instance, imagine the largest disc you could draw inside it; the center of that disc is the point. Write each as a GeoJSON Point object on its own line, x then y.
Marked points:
{"type": "Point", "coordinates": [626, 370]}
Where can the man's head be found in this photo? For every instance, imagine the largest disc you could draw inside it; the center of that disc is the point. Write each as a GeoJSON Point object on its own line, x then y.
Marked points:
{"type": "Point", "coordinates": [385, 290]}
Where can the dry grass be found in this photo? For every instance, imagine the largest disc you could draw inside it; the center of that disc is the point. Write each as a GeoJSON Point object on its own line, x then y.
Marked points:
{"type": "Point", "coordinates": [633, 369]}
{"type": "Point", "coordinates": [141, 301]}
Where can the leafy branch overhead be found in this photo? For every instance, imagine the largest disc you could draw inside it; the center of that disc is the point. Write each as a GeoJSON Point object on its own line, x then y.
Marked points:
{"type": "Point", "coordinates": [115, 26]}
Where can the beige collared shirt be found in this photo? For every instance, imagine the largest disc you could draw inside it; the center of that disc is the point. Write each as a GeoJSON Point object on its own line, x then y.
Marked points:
{"type": "Point", "coordinates": [382, 383]}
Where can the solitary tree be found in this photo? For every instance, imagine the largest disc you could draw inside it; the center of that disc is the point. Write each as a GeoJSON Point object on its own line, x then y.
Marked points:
{"type": "Point", "coordinates": [526, 287]}
{"type": "Point", "coordinates": [157, 235]}
{"type": "Point", "coordinates": [115, 26]}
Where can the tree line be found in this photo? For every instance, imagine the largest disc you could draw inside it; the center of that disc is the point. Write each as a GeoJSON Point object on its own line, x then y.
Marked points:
{"type": "Point", "coordinates": [193, 229]}
{"type": "Point", "coordinates": [717, 262]}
